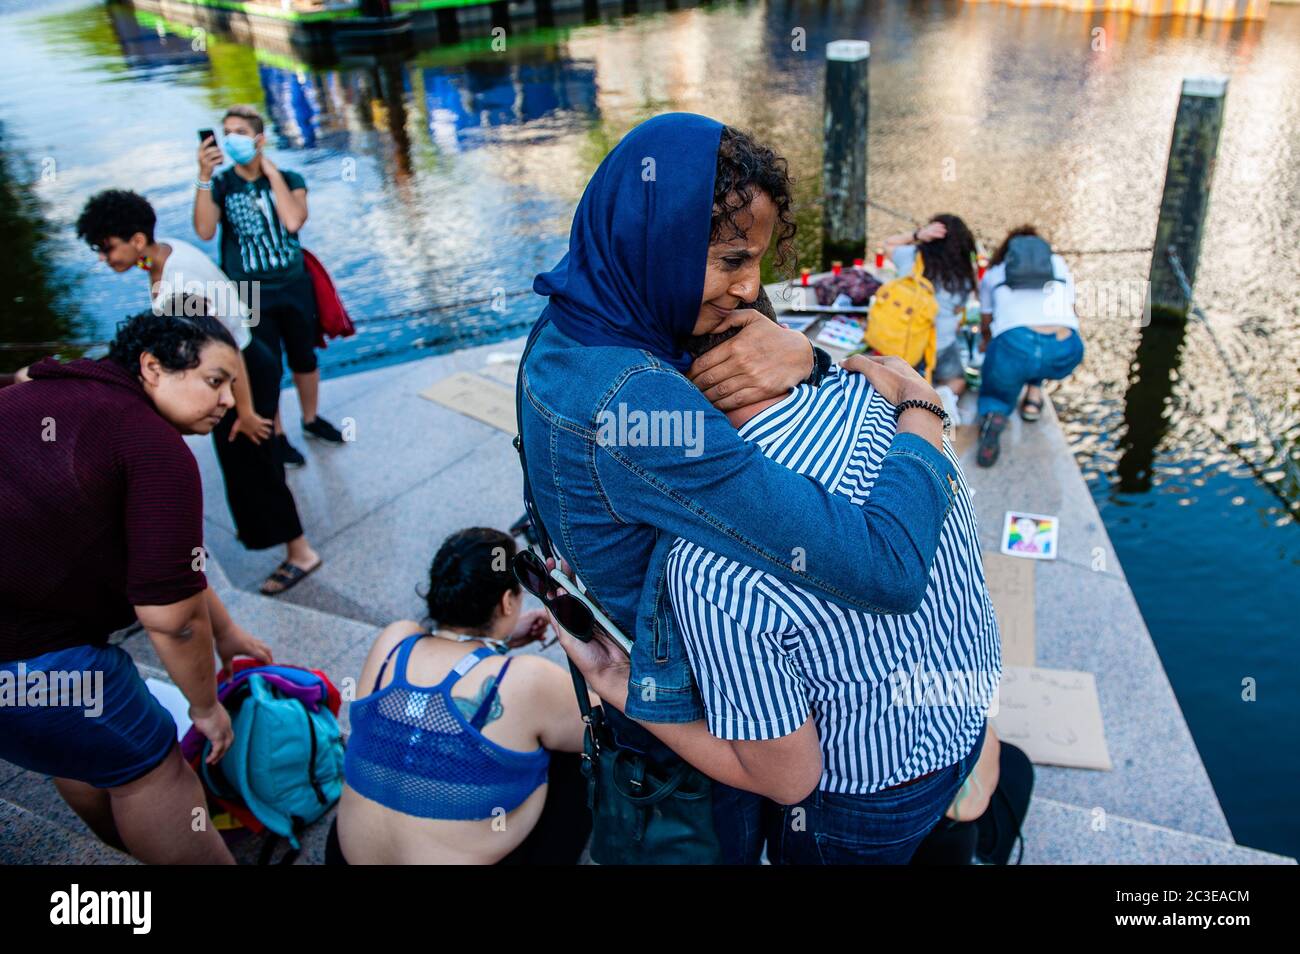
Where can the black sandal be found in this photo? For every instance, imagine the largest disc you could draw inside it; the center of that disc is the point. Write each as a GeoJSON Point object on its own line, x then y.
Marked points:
{"type": "Point", "coordinates": [288, 576]}
{"type": "Point", "coordinates": [1026, 414]}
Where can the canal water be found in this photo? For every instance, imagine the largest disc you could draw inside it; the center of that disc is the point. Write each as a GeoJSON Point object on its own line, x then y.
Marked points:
{"type": "Point", "coordinates": [441, 182]}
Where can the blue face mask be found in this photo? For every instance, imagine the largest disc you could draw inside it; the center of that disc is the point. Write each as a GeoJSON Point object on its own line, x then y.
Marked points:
{"type": "Point", "coordinates": [240, 148]}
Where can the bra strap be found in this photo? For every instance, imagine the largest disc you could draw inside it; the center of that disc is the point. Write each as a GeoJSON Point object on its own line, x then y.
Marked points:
{"type": "Point", "coordinates": [403, 649]}
{"type": "Point", "coordinates": [480, 717]}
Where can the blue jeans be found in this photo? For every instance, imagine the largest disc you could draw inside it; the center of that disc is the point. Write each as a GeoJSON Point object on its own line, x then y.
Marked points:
{"type": "Point", "coordinates": [613, 503]}
{"type": "Point", "coordinates": [883, 828]}
{"type": "Point", "coordinates": [1023, 356]}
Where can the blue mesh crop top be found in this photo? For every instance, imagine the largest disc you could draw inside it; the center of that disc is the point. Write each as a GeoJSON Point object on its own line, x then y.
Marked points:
{"type": "Point", "coordinates": [413, 751]}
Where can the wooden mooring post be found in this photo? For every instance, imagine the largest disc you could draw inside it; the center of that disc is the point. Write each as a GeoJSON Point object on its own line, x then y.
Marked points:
{"type": "Point", "coordinates": [844, 158]}
{"type": "Point", "coordinates": [1186, 195]}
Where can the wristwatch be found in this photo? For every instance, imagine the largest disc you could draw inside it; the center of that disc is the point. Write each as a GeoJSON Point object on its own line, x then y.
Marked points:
{"type": "Point", "coordinates": [821, 364]}
{"type": "Point", "coordinates": [935, 409]}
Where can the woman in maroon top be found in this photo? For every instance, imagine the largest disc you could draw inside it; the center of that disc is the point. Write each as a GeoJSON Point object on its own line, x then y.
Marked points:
{"type": "Point", "coordinates": [103, 525]}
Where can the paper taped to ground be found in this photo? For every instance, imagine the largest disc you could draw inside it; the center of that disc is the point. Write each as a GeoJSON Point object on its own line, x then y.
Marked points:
{"type": "Point", "coordinates": [1031, 535]}
{"type": "Point", "coordinates": [477, 397]}
{"type": "Point", "coordinates": [1011, 587]}
{"type": "Point", "coordinates": [1054, 715]}
{"type": "Point", "coordinates": [174, 701]}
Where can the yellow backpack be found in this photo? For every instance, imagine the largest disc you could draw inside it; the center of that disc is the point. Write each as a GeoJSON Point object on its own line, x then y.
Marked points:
{"type": "Point", "coordinates": [901, 319]}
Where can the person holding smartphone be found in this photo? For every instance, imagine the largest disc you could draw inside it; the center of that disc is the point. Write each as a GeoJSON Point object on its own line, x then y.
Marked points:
{"type": "Point", "coordinates": [260, 210]}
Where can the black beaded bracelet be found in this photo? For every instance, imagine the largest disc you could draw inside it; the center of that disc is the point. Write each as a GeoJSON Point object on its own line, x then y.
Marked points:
{"type": "Point", "coordinates": [935, 409]}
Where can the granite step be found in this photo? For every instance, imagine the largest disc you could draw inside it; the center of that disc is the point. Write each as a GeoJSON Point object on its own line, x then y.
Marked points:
{"type": "Point", "coordinates": [298, 635]}
{"type": "Point", "coordinates": [1057, 833]}
{"type": "Point", "coordinates": [37, 826]}
{"type": "Point", "coordinates": [27, 838]}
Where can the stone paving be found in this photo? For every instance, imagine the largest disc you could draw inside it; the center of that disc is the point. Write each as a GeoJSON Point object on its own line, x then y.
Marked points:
{"type": "Point", "coordinates": [377, 508]}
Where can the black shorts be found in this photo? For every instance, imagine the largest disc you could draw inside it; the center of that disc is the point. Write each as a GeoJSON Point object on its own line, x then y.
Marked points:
{"type": "Point", "coordinates": [286, 321]}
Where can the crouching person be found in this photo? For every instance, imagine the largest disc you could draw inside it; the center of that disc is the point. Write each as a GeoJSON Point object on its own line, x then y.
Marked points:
{"type": "Point", "coordinates": [459, 753]}
{"type": "Point", "coordinates": [103, 526]}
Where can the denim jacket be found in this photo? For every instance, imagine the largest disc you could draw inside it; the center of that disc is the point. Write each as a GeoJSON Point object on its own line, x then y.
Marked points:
{"type": "Point", "coordinates": [625, 454]}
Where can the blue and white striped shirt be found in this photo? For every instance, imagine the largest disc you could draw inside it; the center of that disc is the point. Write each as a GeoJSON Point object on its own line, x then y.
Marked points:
{"type": "Point", "coordinates": [893, 697]}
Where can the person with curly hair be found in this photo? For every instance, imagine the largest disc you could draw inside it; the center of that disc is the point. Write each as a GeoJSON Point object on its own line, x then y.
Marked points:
{"type": "Point", "coordinates": [665, 247]}
{"type": "Point", "coordinates": [449, 761]}
{"type": "Point", "coordinates": [947, 250]}
{"type": "Point", "coordinates": [103, 526]}
{"type": "Point", "coordinates": [119, 226]}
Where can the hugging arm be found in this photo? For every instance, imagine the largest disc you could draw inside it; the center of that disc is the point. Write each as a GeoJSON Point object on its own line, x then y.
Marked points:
{"type": "Point", "coordinates": [784, 769]}
{"type": "Point", "coordinates": [722, 493]}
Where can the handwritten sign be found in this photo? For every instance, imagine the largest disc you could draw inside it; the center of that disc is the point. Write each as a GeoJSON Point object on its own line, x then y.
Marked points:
{"type": "Point", "coordinates": [1011, 587]}
{"type": "Point", "coordinates": [1054, 715]}
{"type": "Point", "coordinates": [475, 397]}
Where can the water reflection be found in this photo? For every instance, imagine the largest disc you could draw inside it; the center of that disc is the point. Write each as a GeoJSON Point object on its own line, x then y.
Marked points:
{"type": "Point", "coordinates": [147, 46]}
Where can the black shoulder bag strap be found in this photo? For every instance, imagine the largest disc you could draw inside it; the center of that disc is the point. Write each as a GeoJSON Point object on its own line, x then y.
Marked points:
{"type": "Point", "coordinates": [593, 717]}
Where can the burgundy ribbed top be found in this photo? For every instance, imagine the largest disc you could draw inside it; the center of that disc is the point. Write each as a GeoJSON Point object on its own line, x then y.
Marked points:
{"type": "Point", "coordinates": [101, 508]}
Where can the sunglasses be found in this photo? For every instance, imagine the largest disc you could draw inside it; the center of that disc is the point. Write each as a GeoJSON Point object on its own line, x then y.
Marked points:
{"type": "Point", "coordinates": [568, 610]}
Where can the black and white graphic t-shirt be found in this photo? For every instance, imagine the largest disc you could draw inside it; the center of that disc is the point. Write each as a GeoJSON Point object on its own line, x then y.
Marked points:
{"type": "Point", "coordinates": [254, 243]}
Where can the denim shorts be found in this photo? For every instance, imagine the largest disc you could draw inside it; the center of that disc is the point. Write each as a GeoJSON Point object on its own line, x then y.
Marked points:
{"type": "Point", "coordinates": [82, 713]}
{"type": "Point", "coordinates": [883, 828]}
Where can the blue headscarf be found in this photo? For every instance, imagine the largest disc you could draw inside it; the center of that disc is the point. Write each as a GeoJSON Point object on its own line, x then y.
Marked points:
{"type": "Point", "coordinates": [634, 272]}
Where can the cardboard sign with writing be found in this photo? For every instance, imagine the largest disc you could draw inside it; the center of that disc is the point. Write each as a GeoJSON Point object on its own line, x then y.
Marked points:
{"type": "Point", "coordinates": [475, 397]}
{"type": "Point", "coordinates": [1054, 715]}
{"type": "Point", "coordinates": [1011, 587]}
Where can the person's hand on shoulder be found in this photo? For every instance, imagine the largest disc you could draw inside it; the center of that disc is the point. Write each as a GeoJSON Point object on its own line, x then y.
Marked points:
{"type": "Point", "coordinates": [764, 360]}
{"type": "Point", "coordinates": [895, 379]}
{"type": "Point", "coordinates": [255, 427]}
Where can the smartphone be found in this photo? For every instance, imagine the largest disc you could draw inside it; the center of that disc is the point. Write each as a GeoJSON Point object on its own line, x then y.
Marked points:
{"type": "Point", "coordinates": [603, 621]}
{"type": "Point", "coordinates": [206, 134]}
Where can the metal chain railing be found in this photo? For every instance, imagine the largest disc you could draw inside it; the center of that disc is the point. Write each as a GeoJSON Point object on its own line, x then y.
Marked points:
{"type": "Point", "coordinates": [906, 217]}
{"type": "Point", "coordinates": [888, 211]}
{"type": "Point", "coordinates": [412, 315]}
{"type": "Point", "coordinates": [1260, 421]}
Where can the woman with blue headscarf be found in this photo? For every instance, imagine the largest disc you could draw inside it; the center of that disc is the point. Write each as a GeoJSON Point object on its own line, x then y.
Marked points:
{"type": "Point", "coordinates": [665, 248]}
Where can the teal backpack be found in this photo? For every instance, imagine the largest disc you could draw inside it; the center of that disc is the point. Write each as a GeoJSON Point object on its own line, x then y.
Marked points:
{"type": "Point", "coordinates": [285, 764]}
